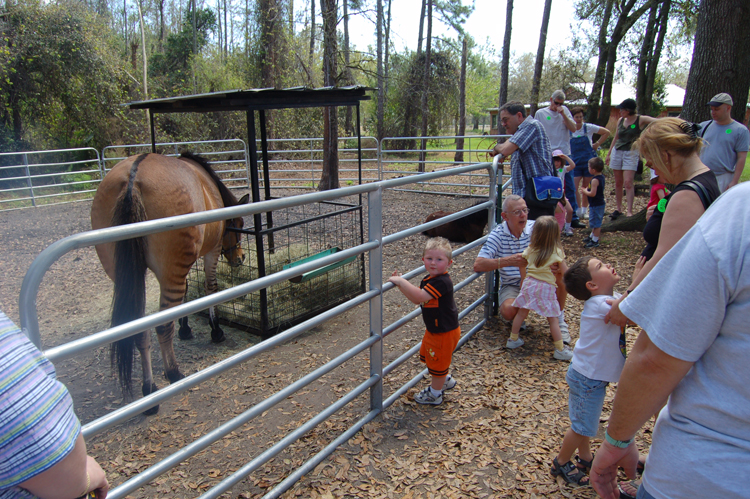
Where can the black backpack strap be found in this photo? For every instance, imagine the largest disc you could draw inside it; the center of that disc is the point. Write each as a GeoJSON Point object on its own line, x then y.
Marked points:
{"type": "Point", "coordinates": [700, 189]}
{"type": "Point", "coordinates": [703, 132]}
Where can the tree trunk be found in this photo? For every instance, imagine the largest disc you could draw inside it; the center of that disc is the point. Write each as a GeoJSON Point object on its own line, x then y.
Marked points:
{"type": "Point", "coordinates": [330, 176]}
{"type": "Point", "coordinates": [426, 88]}
{"type": "Point", "coordinates": [381, 82]}
{"type": "Point", "coordinates": [387, 45]}
{"type": "Point", "coordinates": [635, 223]}
{"type": "Point", "coordinates": [348, 128]}
{"type": "Point", "coordinates": [311, 57]}
{"type": "Point", "coordinates": [540, 58]}
{"type": "Point", "coordinates": [642, 98]}
{"type": "Point", "coordinates": [721, 58]}
{"type": "Point", "coordinates": [421, 27]}
{"type": "Point", "coordinates": [462, 103]}
{"type": "Point", "coordinates": [595, 96]}
{"type": "Point", "coordinates": [505, 64]}
{"type": "Point", "coordinates": [272, 48]}
{"type": "Point", "coordinates": [160, 44]}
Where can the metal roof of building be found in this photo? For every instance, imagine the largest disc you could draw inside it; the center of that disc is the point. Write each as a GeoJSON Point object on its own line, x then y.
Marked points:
{"type": "Point", "coordinates": [257, 98]}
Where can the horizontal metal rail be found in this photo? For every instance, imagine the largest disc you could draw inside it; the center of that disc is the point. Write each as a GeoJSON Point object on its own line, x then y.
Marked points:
{"type": "Point", "coordinates": [29, 322]}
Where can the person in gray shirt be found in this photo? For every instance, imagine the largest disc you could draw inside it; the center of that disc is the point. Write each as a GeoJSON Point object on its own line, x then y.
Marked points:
{"type": "Point", "coordinates": [726, 142]}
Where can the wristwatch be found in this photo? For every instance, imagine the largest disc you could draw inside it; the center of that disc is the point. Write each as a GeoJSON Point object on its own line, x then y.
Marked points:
{"type": "Point", "coordinates": [617, 443]}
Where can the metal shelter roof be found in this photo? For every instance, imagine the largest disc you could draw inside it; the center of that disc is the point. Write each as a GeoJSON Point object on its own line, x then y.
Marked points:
{"type": "Point", "coordinates": [257, 99]}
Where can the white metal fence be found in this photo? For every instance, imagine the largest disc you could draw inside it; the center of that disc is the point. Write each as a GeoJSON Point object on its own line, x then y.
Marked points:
{"type": "Point", "coordinates": [30, 179]}
{"type": "Point", "coordinates": [37, 178]}
{"type": "Point", "coordinates": [374, 246]}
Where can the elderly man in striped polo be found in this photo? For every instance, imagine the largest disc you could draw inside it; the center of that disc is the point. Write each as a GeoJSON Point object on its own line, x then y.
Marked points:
{"type": "Point", "coordinates": [502, 252]}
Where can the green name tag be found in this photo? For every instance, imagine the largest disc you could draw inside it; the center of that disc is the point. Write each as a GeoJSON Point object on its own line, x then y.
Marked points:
{"type": "Point", "coordinates": [662, 206]}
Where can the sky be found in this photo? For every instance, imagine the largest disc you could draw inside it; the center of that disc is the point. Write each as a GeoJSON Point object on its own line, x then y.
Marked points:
{"type": "Point", "coordinates": [486, 24]}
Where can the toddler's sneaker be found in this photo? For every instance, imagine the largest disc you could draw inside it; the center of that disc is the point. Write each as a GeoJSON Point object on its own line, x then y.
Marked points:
{"type": "Point", "coordinates": [426, 397]}
{"type": "Point", "coordinates": [565, 354]}
{"type": "Point", "coordinates": [449, 384]}
{"type": "Point", "coordinates": [514, 344]}
{"type": "Point", "coordinates": [568, 232]}
{"type": "Point", "coordinates": [591, 244]}
{"type": "Point", "coordinates": [565, 333]}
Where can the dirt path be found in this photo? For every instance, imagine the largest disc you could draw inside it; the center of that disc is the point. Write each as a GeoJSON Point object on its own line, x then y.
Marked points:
{"type": "Point", "coordinates": [494, 435]}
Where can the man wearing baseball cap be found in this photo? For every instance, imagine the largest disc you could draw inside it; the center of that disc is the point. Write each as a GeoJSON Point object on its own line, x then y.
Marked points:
{"type": "Point", "coordinates": [726, 142]}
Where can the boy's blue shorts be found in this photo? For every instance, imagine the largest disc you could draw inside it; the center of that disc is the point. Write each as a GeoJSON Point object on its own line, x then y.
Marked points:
{"type": "Point", "coordinates": [585, 402]}
{"type": "Point", "coordinates": [582, 170]}
{"type": "Point", "coordinates": [596, 215]}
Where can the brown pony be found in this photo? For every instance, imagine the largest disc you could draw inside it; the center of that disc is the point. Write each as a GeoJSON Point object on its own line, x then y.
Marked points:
{"type": "Point", "coordinates": [148, 187]}
{"type": "Point", "coordinates": [463, 230]}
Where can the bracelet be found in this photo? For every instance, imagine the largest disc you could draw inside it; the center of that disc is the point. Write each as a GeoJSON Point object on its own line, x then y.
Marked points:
{"type": "Point", "coordinates": [621, 444]}
{"type": "Point", "coordinates": [627, 292]}
{"type": "Point", "coordinates": [88, 484]}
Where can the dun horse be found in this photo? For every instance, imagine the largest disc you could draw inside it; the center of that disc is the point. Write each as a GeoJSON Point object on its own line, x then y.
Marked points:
{"type": "Point", "coordinates": [148, 187]}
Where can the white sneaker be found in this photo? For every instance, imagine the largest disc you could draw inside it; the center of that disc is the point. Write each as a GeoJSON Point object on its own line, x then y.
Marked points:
{"type": "Point", "coordinates": [568, 232]}
{"type": "Point", "coordinates": [514, 344]}
{"type": "Point", "coordinates": [565, 333]}
{"type": "Point", "coordinates": [426, 397]}
{"type": "Point", "coordinates": [564, 329]}
{"type": "Point", "coordinates": [449, 384]}
{"type": "Point", "coordinates": [565, 354]}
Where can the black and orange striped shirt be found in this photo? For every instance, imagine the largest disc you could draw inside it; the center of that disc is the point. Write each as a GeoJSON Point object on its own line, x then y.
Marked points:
{"type": "Point", "coordinates": [440, 314]}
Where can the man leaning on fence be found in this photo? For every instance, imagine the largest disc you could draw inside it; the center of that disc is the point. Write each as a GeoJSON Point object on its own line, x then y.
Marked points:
{"type": "Point", "coordinates": [532, 156]}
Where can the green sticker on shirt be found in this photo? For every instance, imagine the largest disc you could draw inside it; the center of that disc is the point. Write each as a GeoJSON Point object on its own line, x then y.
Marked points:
{"type": "Point", "coordinates": [549, 117]}
{"type": "Point", "coordinates": [662, 205]}
{"type": "Point", "coordinates": [729, 130]}
{"type": "Point", "coordinates": [632, 126]}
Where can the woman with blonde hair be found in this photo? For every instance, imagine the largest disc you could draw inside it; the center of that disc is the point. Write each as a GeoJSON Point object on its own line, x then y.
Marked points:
{"type": "Point", "coordinates": [671, 146]}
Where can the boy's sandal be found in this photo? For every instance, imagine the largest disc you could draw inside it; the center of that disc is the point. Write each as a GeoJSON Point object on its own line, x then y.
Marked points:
{"type": "Point", "coordinates": [585, 465]}
{"type": "Point", "coordinates": [634, 484]}
{"type": "Point", "coordinates": [570, 473]}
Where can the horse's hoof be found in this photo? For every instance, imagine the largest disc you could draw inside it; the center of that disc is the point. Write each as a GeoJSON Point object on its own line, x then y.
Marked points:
{"type": "Point", "coordinates": [174, 375]}
{"type": "Point", "coordinates": [217, 335]}
{"type": "Point", "coordinates": [185, 333]}
{"type": "Point", "coordinates": [148, 391]}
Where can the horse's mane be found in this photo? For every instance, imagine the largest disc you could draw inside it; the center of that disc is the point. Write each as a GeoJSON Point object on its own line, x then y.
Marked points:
{"type": "Point", "coordinates": [226, 195]}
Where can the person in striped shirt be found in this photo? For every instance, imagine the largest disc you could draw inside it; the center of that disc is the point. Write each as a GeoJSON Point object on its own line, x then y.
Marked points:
{"type": "Point", "coordinates": [42, 451]}
{"type": "Point", "coordinates": [502, 252]}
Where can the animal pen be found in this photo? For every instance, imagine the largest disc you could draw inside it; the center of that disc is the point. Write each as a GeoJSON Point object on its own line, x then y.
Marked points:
{"type": "Point", "coordinates": [288, 237]}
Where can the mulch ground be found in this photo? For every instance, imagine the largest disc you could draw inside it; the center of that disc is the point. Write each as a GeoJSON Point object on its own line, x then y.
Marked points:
{"type": "Point", "coordinates": [494, 435]}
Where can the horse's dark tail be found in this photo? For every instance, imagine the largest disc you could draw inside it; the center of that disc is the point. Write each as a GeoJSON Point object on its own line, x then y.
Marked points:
{"type": "Point", "coordinates": [129, 300]}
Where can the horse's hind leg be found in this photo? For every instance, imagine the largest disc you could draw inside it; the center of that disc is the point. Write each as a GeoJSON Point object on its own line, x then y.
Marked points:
{"type": "Point", "coordinates": [185, 332]}
{"type": "Point", "coordinates": [209, 264]}
{"type": "Point", "coordinates": [143, 343]}
{"type": "Point", "coordinates": [165, 333]}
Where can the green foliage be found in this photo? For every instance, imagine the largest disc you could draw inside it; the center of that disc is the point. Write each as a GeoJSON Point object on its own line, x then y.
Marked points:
{"type": "Point", "coordinates": [171, 69]}
{"type": "Point", "coordinates": [405, 90]}
{"type": "Point", "coordinates": [58, 82]}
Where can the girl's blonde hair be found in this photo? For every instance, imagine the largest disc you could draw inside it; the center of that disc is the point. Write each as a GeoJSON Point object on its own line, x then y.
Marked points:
{"type": "Point", "coordinates": [669, 134]}
{"type": "Point", "coordinates": [545, 239]}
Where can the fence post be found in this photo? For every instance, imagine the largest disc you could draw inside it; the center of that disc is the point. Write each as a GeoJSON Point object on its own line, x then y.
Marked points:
{"type": "Point", "coordinates": [28, 178]}
{"type": "Point", "coordinates": [375, 233]}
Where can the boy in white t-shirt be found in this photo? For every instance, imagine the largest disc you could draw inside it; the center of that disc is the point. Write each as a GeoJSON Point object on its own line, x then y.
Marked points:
{"type": "Point", "coordinates": [598, 359]}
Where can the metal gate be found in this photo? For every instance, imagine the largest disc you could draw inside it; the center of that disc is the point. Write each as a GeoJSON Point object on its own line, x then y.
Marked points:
{"type": "Point", "coordinates": [373, 247]}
